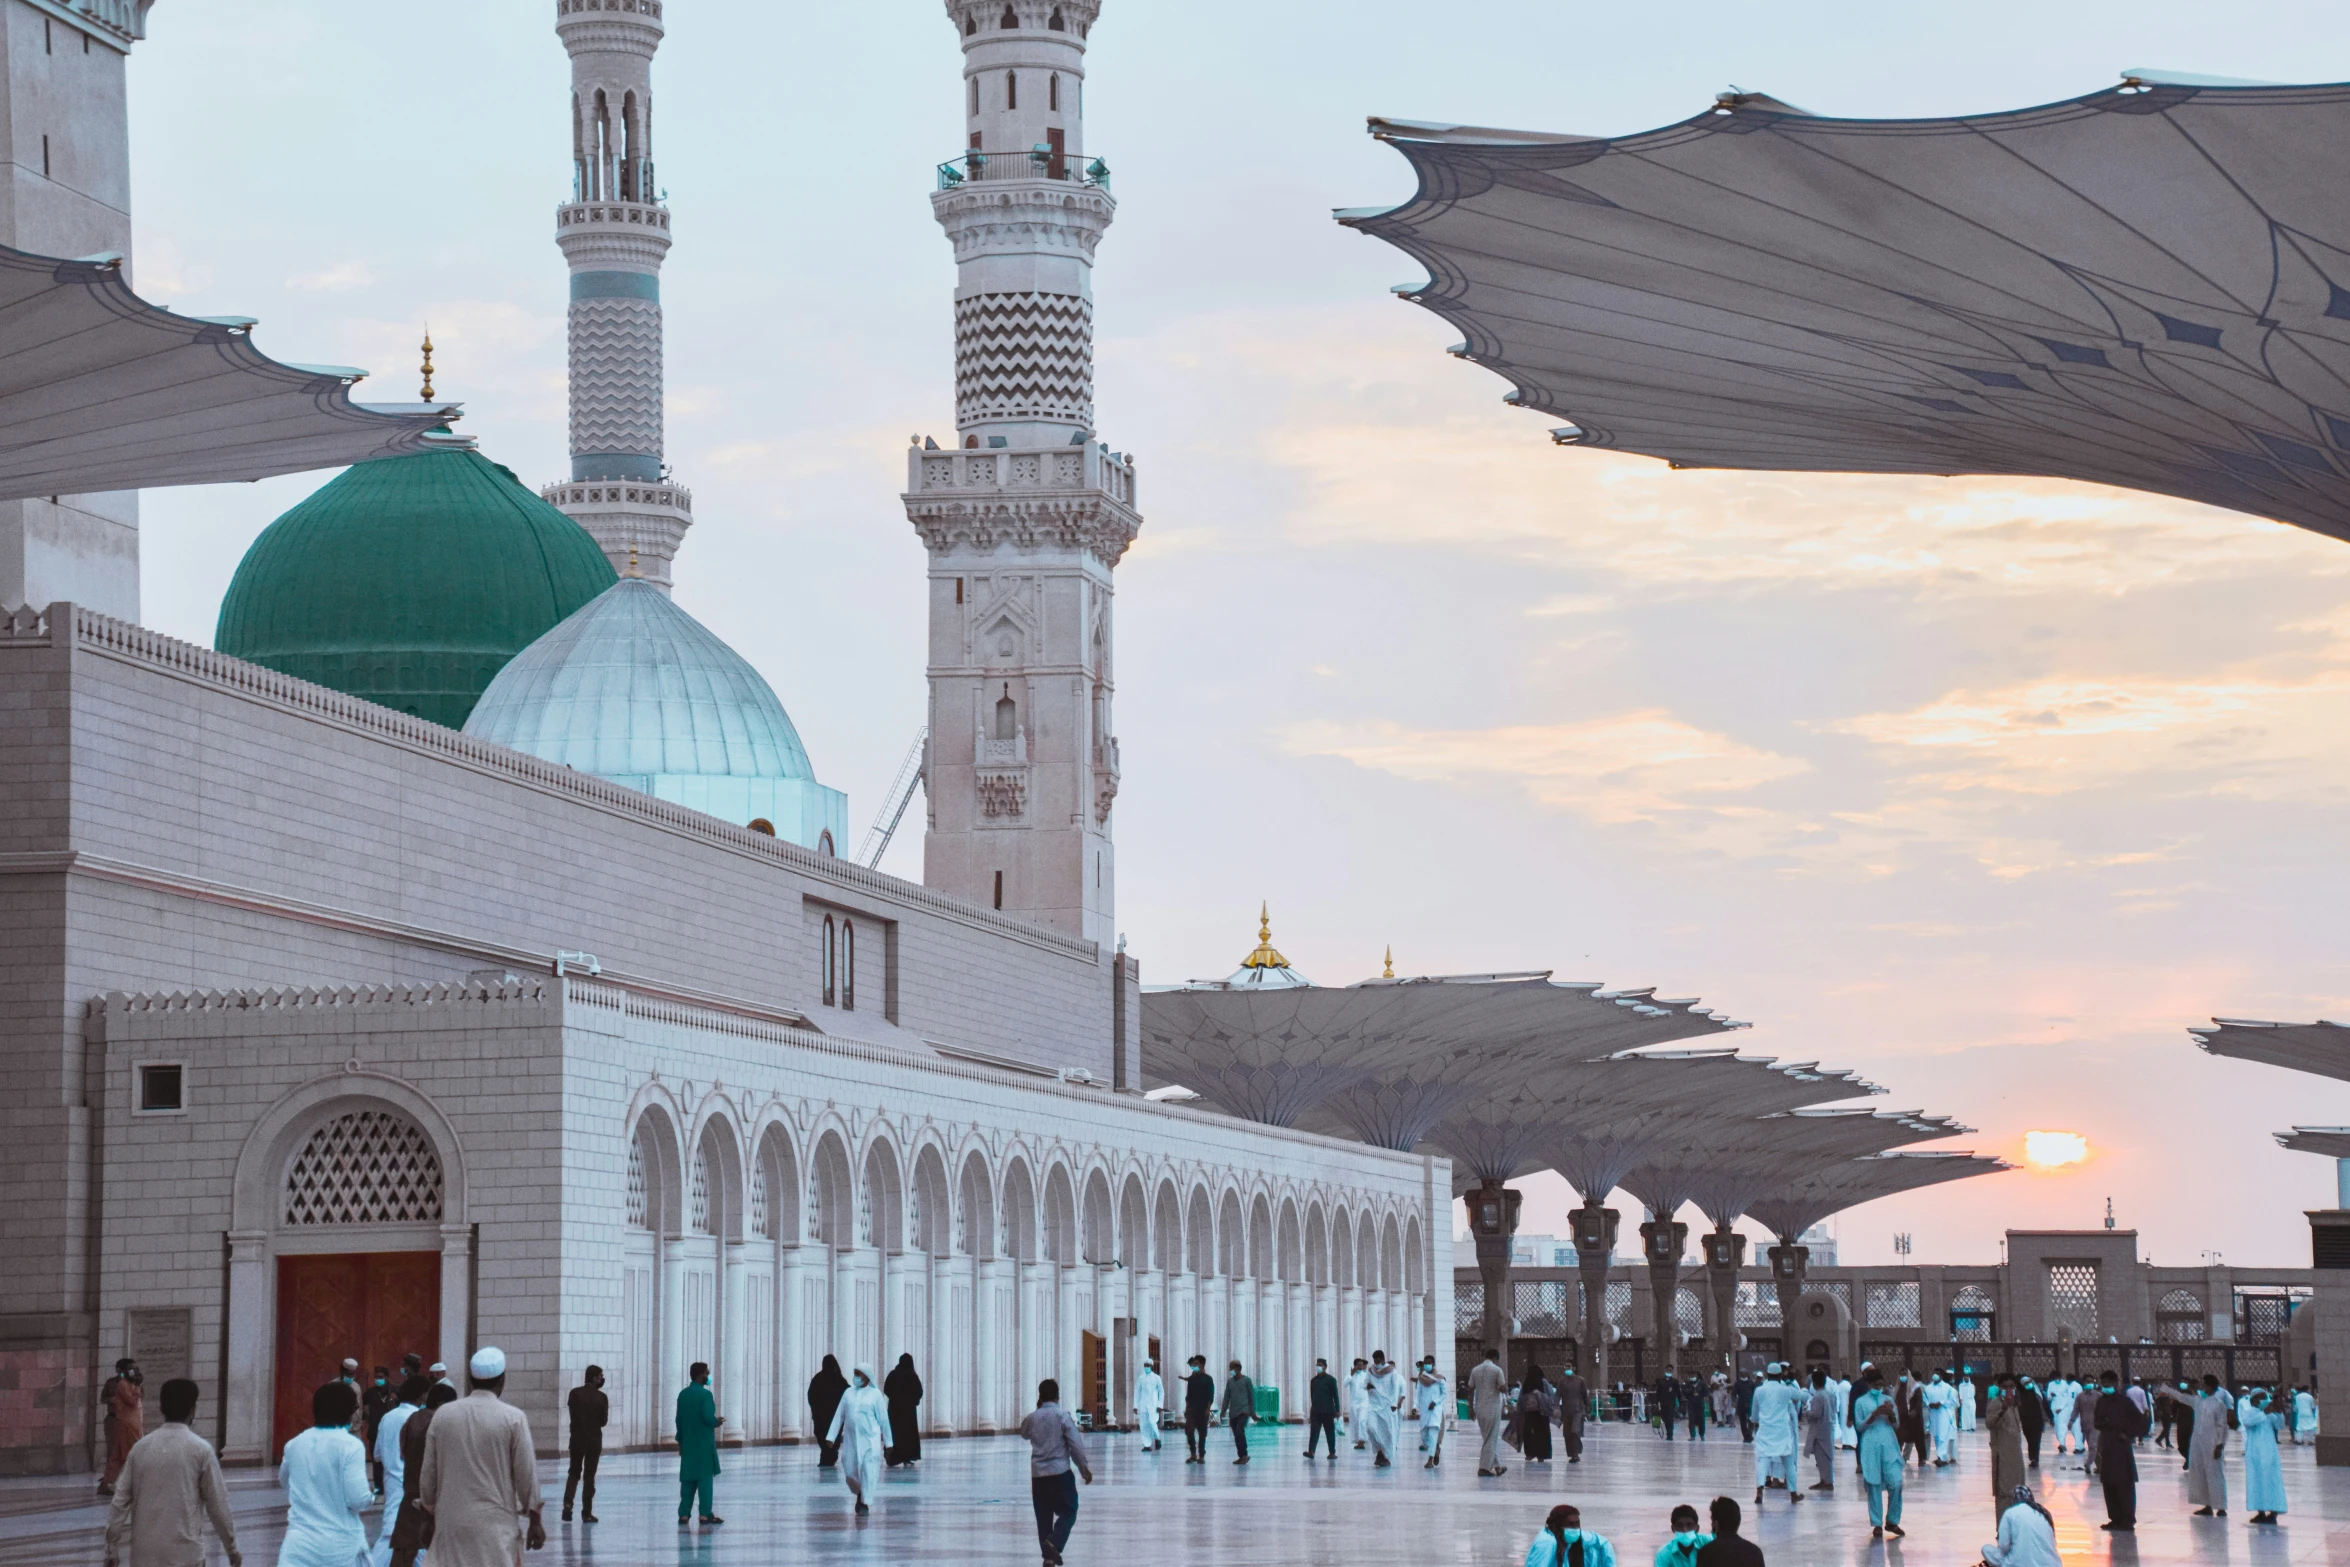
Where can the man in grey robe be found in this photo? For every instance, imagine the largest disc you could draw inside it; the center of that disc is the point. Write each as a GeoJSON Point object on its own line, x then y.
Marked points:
{"type": "Point", "coordinates": [1818, 1418]}
{"type": "Point", "coordinates": [2207, 1444]}
{"type": "Point", "coordinates": [1487, 1383]}
{"type": "Point", "coordinates": [481, 1475]}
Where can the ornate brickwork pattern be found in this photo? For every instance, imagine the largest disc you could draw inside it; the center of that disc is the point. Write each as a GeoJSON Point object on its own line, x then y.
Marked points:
{"type": "Point", "coordinates": [1024, 356]}
{"type": "Point", "coordinates": [1002, 794]}
{"type": "Point", "coordinates": [367, 1167]}
{"type": "Point", "coordinates": [616, 376]}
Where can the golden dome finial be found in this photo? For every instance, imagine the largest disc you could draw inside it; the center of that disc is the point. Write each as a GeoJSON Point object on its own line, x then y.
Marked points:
{"type": "Point", "coordinates": [1390, 974]}
{"type": "Point", "coordinates": [1264, 956]}
{"type": "Point", "coordinates": [632, 571]}
{"type": "Point", "coordinates": [427, 395]}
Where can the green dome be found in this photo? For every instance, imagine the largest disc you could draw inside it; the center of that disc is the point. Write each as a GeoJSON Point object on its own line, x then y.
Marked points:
{"type": "Point", "coordinates": [410, 581]}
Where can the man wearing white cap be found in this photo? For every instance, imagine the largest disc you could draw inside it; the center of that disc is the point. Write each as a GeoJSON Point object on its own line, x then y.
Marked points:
{"type": "Point", "coordinates": [1778, 1407]}
{"type": "Point", "coordinates": [480, 1473]}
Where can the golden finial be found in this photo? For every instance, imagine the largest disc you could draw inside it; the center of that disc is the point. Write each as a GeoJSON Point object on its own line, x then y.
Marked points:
{"type": "Point", "coordinates": [1264, 956]}
{"type": "Point", "coordinates": [632, 571]}
{"type": "Point", "coordinates": [1390, 974]}
{"type": "Point", "coordinates": [427, 397]}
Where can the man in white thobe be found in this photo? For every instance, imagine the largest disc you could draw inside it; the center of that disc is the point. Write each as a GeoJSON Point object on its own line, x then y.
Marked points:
{"type": "Point", "coordinates": [1383, 1398]}
{"type": "Point", "coordinates": [1966, 1403]}
{"type": "Point", "coordinates": [2207, 1474]}
{"type": "Point", "coordinates": [395, 1470]}
{"type": "Point", "coordinates": [481, 1474]}
{"type": "Point", "coordinates": [1488, 1386]}
{"type": "Point", "coordinates": [1778, 1403]}
{"type": "Point", "coordinates": [1840, 1399]}
{"type": "Point", "coordinates": [1358, 1393]}
{"type": "Point", "coordinates": [1941, 1401]}
{"type": "Point", "coordinates": [1150, 1396]}
{"type": "Point", "coordinates": [1431, 1401]}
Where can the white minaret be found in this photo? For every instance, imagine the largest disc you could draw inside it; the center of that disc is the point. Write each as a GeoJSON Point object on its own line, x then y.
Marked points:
{"type": "Point", "coordinates": [1025, 514]}
{"type": "Point", "coordinates": [614, 231]}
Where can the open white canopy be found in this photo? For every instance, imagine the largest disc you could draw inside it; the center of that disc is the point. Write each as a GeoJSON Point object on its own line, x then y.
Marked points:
{"type": "Point", "coordinates": [100, 390]}
{"type": "Point", "coordinates": [1788, 1210]}
{"type": "Point", "coordinates": [2147, 286]}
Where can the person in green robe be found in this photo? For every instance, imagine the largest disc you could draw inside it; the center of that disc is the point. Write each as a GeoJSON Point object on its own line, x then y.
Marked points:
{"type": "Point", "coordinates": [698, 1421]}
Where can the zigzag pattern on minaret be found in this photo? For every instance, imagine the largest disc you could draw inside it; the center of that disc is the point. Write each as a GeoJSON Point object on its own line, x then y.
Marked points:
{"type": "Point", "coordinates": [616, 376]}
{"type": "Point", "coordinates": [1024, 356]}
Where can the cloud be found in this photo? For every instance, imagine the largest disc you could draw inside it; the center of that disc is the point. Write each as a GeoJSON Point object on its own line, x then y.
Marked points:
{"type": "Point", "coordinates": [1635, 767]}
{"type": "Point", "coordinates": [340, 278]}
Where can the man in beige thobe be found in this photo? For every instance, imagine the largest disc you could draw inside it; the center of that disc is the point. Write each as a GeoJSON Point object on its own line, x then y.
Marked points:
{"type": "Point", "coordinates": [481, 1475]}
{"type": "Point", "coordinates": [1487, 1383]}
{"type": "Point", "coordinates": [170, 1487]}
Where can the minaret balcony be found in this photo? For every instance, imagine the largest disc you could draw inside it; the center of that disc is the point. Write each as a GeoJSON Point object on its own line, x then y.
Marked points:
{"type": "Point", "coordinates": [580, 214]}
{"type": "Point", "coordinates": [1038, 163]}
{"type": "Point", "coordinates": [977, 473]}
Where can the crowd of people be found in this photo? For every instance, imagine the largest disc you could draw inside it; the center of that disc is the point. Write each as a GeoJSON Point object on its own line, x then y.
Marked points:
{"type": "Point", "coordinates": [456, 1477]}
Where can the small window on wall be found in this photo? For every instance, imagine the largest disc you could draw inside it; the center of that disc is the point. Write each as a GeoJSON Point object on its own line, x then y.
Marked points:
{"type": "Point", "coordinates": [162, 1088]}
{"type": "Point", "coordinates": [1053, 92]}
{"type": "Point", "coordinates": [974, 95]}
{"type": "Point", "coordinates": [1011, 89]}
{"type": "Point", "coordinates": [848, 966]}
{"type": "Point", "coordinates": [831, 962]}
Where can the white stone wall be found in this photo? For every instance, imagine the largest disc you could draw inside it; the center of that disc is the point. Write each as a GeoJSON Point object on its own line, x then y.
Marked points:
{"type": "Point", "coordinates": [986, 1221]}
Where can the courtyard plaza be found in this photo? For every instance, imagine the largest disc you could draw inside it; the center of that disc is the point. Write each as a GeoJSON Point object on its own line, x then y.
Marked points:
{"type": "Point", "coordinates": [968, 1503]}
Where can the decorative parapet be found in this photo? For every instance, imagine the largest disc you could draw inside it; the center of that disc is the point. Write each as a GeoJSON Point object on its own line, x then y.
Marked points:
{"type": "Point", "coordinates": [1078, 497]}
{"type": "Point", "coordinates": [297, 998]}
{"type": "Point", "coordinates": [120, 23]}
{"type": "Point", "coordinates": [107, 637]}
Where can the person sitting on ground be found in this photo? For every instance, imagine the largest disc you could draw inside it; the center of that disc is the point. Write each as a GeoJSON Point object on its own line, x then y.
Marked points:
{"type": "Point", "coordinates": [1728, 1548]}
{"type": "Point", "coordinates": [1681, 1550]}
{"type": "Point", "coordinates": [1563, 1542]}
{"type": "Point", "coordinates": [2027, 1535]}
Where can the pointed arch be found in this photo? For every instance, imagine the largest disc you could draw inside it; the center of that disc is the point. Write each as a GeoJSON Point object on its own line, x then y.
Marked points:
{"type": "Point", "coordinates": [975, 1231]}
{"type": "Point", "coordinates": [1060, 1216]}
{"type": "Point", "coordinates": [1096, 1241]}
{"type": "Point", "coordinates": [933, 1214]}
{"type": "Point", "coordinates": [1260, 1238]}
{"type": "Point", "coordinates": [831, 1194]}
{"type": "Point", "coordinates": [1231, 1237]}
{"type": "Point", "coordinates": [715, 1186]}
{"type": "Point", "coordinates": [1415, 1264]}
{"type": "Point", "coordinates": [1317, 1245]}
{"type": "Point", "coordinates": [1167, 1230]}
{"type": "Point", "coordinates": [1134, 1225]}
{"type": "Point", "coordinates": [1019, 1211]}
{"type": "Point", "coordinates": [1342, 1249]}
{"type": "Point", "coordinates": [1199, 1237]}
{"type": "Point", "coordinates": [1366, 1251]}
{"type": "Point", "coordinates": [773, 1209]}
{"type": "Point", "coordinates": [882, 1199]}
{"type": "Point", "coordinates": [1390, 1255]}
{"type": "Point", "coordinates": [659, 1164]}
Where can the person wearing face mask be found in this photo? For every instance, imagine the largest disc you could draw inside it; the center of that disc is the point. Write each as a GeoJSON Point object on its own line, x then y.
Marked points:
{"type": "Point", "coordinates": [1681, 1550]}
{"type": "Point", "coordinates": [1564, 1542]}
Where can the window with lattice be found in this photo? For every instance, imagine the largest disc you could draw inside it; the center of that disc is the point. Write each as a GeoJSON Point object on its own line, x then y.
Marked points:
{"type": "Point", "coordinates": [759, 1200]}
{"type": "Point", "coordinates": [701, 1191]}
{"type": "Point", "coordinates": [1542, 1306]}
{"type": "Point", "coordinates": [2072, 1298]}
{"type": "Point", "coordinates": [1973, 1316]}
{"type": "Point", "coordinates": [365, 1167]}
{"type": "Point", "coordinates": [1892, 1303]}
{"type": "Point", "coordinates": [1758, 1304]}
{"type": "Point", "coordinates": [1468, 1310]}
{"type": "Point", "coordinates": [640, 1201]}
{"type": "Point", "coordinates": [1689, 1312]}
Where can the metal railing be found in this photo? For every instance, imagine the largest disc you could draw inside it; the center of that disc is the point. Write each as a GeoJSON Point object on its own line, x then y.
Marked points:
{"type": "Point", "coordinates": [1038, 163]}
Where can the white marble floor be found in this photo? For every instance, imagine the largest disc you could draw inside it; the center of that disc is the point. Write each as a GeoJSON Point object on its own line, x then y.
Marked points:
{"type": "Point", "coordinates": [968, 1503]}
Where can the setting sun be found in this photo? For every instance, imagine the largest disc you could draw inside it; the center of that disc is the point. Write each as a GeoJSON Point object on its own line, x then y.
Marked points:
{"type": "Point", "coordinates": [2054, 1150]}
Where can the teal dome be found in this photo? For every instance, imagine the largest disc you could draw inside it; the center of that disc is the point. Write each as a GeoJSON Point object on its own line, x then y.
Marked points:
{"type": "Point", "coordinates": [410, 581]}
{"type": "Point", "coordinates": [634, 689]}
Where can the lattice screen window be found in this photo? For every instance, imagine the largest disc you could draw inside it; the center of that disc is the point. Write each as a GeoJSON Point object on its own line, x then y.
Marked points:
{"type": "Point", "coordinates": [1542, 1306]}
{"type": "Point", "coordinates": [2072, 1297]}
{"type": "Point", "coordinates": [1840, 1288]}
{"type": "Point", "coordinates": [1619, 1303]}
{"type": "Point", "coordinates": [1689, 1312]}
{"type": "Point", "coordinates": [701, 1191]}
{"type": "Point", "coordinates": [1893, 1303]}
{"type": "Point", "coordinates": [865, 1235]}
{"type": "Point", "coordinates": [365, 1167]}
{"type": "Point", "coordinates": [1468, 1310]}
{"type": "Point", "coordinates": [759, 1200]}
{"type": "Point", "coordinates": [640, 1201]}
{"type": "Point", "coordinates": [1758, 1304]}
{"type": "Point", "coordinates": [1972, 1316]}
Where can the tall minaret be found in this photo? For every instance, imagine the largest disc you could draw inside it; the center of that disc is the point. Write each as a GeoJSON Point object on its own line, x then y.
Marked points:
{"type": "Point", "coordinates": [1026, 514]}
{"type": "Point", "coordinates": [614, 231]}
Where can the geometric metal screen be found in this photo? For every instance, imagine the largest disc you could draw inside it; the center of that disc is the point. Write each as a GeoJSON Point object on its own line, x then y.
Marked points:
{"type": "Point", "coordinates": [1893, 1304]}
{"type": "Point", "coordinates": [1972, 1316]}
{"type": "Point", "coordinates": [701, 1191]}
{"type": "Point", "coordinates": [366, 1167]}
{"type": "Point", "coordinates": [1758, 1305]}
{"type": "Point", "coordinates": [1543, 1307]}
{"type": "Point", "coordinates": [1619, 1302]}
{"type": "Point", "coordinates": [1689, 1312]}
{"type": "Point", "coordinates": [639, 1200]}
{"type": "Point", "coordinates": [2178, 1318]}
{"type": "Point", "coordinates": [2072, 1297]}
{"type": "Point", "coordinates": [759, 1200]}
{"type": "Point", "coordinates": [1840, 1288]}
{"type": "Point", "coordinates": [2261, 1319]}
{"type": "Point", "coordinates": [1468, 1310]}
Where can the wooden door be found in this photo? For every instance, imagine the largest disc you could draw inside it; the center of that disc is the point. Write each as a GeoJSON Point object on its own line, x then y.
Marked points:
{"type": "Point", "coordinates": [372, 1307]}
{"type": "Point", "coordinates": [1096, 1395]}
{"type": "Point", "coordinates": [1058, 164]}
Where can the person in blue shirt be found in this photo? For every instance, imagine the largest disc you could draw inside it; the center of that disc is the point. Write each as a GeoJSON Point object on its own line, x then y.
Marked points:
{"type": "Point", "coordinates": [1564, 1542]}
{"type": "Point", "coordinates": [1681, 1550]}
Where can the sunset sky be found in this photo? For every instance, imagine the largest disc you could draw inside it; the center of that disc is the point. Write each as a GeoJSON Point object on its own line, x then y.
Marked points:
{"type": "Point", "coordinates": [1985, 788]}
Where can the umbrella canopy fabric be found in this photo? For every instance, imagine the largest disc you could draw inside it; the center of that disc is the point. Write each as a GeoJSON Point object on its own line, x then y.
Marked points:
{"type": "Point", "coordinates": [1723, 1168]}
{"type": "Point", "coordinates": [2331, 1141]}
{"type": "Point", "coordinates": [2322, 1048]}
{"type": "Point", "coordinates": [2147, 286]}
{"type": "Point", "coordinates": [100, 390]}
{"type": "Point", "coordinates": [1788, 1210]}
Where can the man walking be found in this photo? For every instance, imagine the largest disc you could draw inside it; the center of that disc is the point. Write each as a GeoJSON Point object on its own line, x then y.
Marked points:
{"type": "Point", "coordinates": [1150, 1401]}
{"type": "Point", "coordinates": [1819, 1429]}
{"type": "Point", "coordinates": [1777, 1404]}
{"type": "Point", "coordinates": [1358, 1392]}
{"type": "Point", "coordinates": [1199, 1407]}
{"type": "Point", "coordinates": [1574, 1409]}
{"type": "Point", "coordinates": [1383, 1397]}
{"type": "Point", "coordinates": [1487, 1383]}
{"type": "Point", "coordinates": [590, 1409]}
{"type": "Point", "coordinates": [1322, 1410]}
{"type": "Point", "coordinates": [1053, 1446]}
{"type": "Point", "coordinates": [1239, 1408]}
{"type": "Point", "coordinates": [407, 1532]}
{"type": "Point", "coordinates": [480, 1473]}
{"type": "Point", "coordinates": [124, 1396]}
{"type": "Point", "coordinates": [825, 1389]}
{"type": "Point", "coordinates": [1432, 1403]}
{"type": "Point", "coordinates": [698, 1421]}
{"type": "Point", "coordinates": [391, 1469]}
{"type": "Point", "coordinates": [382, 1395]}
{"type": "Point", "coordinates": [166, 1488]}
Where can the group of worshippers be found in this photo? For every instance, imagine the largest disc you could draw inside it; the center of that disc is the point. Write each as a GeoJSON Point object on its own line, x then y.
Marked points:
{"type": "Point", "coordinates": [1564, 1542]}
